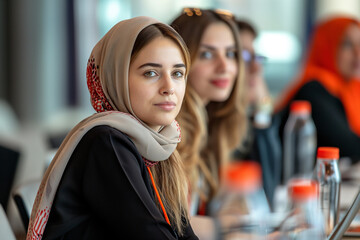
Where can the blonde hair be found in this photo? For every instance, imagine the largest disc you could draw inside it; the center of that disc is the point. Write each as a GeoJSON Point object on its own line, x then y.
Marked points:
{"type": "Point", "coordinates": [169, 176]}
{"type": "Point", "coordinates": [211, 133]}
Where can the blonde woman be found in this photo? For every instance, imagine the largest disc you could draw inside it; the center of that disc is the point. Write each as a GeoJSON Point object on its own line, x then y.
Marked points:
{"type": "Point", "coordinates": [213, 116]}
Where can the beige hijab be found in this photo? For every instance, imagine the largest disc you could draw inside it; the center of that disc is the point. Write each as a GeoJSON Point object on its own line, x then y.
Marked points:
{"type": "Point", "coordinates": [107, 79]}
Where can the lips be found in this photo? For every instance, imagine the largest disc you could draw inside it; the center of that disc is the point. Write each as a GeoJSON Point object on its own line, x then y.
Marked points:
{"type": "Point", "coordinates": [220, 82]}
{"type": "Point", "coordinates": [167, 106]}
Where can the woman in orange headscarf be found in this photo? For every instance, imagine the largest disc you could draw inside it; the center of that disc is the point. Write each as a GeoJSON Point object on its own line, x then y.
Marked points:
{"type": "Point", "coordinates": [330, 81]}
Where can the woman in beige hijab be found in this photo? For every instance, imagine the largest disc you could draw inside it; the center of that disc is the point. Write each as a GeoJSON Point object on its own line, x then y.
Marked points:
{"type": "Point", "coordinates": [117, 174]}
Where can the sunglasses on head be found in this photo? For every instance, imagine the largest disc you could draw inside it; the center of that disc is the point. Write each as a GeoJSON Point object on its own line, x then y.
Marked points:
{"type": "Point", "coordinates": [192, 11]}
{"type": "Point", "coordinates": [198, 12]}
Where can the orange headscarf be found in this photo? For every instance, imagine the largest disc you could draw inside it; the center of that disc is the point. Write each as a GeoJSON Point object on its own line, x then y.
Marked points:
{"type": "Point", "coordinates": [321, 66]}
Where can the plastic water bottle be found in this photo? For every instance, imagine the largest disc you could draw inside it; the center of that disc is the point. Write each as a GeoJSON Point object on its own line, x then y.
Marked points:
{"type": "Point", "coordinates": [299, 145]}
{"type": "Point", "coordinates": [305, 220]}
{"type": "Point", "coordinates": [241, 206]}
{"type": "Point", "coordinates": [327, 173]}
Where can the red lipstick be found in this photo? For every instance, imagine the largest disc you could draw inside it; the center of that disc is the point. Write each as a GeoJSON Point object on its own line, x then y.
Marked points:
{"type": "Point", "coordinates": [221, 82]}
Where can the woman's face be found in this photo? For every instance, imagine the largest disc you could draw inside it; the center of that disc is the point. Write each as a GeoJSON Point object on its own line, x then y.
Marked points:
{"type": "Point", "coordinates": [215, 68]}
{"type": "Point", "coordinates": [348, 58]}
{"type": "Point", "coordinates": [157, 82]}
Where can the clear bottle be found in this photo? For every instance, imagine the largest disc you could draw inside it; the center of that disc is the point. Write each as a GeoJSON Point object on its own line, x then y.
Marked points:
{"type": "Point", "coordinates": [241, 206]}
{"type": "Point", "coordinates": [299, 141]}
{"type": "Point", "coordinates": [327, 173]}
{"type": "Point", "coordinates": [305, 220]}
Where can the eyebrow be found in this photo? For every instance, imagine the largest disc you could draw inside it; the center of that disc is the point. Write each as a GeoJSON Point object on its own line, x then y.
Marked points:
{"type": "Point", "coordinates": [150, 65]}
{"type": "Point", "coordinates": [213, 48]}
{"type": "Point", "coordinates": [208, 47]}
{"type": "Point", "coordinates": [180, 65]}
{"type": "Point", "coordinates": [157, 65]}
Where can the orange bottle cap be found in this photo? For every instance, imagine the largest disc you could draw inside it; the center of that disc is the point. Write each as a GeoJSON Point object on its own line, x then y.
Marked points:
{"type": "Point", "coordinates": [244, 175]}
{"type": "Point", "coordinates": [300, 106]}
{"type": "Point", "coordinates": [303, 189]}
{"type": "Point", "coordinates": [328, 152]}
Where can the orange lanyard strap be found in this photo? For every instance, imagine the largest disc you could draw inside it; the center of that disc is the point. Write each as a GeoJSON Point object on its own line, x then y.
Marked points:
{"type": "Point", "coordinates": [158, 196]}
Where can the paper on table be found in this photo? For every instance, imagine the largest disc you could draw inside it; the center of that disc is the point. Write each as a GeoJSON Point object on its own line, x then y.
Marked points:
{"type": "Point", "coordinates": [342, 226]}
{"type": "Point", "coordinates": [348, 193]}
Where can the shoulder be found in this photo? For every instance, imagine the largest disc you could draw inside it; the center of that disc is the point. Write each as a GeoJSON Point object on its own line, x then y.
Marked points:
{"type": "Point", "coordinates": [103, 134]}
{"type": "Point", "coordinates": [319, 97]}
{"type": "Point", "coordinates": [104, 130]}
{"type": "Point", "coordinates": [313, 89]}
{"type": "Point", "coordinates": [105, 141]}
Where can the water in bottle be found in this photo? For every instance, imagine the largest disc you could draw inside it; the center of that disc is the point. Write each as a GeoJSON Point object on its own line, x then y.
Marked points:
{"type": "Point", "coordinates": [327, 174]}
{"type": "Point", "coordinates": [241, 207]}
{"type": "Point", "coordinates": [305, 220]}
{"type": "Point", "coordinates": [299, 142]}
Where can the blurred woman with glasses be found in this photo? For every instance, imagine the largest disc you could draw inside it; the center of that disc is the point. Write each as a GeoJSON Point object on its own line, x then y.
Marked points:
{"type": "Point", "coordinates": [258, 93]}
{"type": "Point", "coordinates": [262, 143]}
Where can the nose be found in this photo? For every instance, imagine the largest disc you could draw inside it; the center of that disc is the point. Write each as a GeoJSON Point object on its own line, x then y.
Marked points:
{"type": "Point", "coordinates": [221, 64]}
{"type": "Point", "coordinates": [357, 50]}
{"type": "Point", "coordinates": [167, 87]}
{"type": "Point", "coordinates": [254, 66]}
{"type": "Point", "coordinates": [169, 91]}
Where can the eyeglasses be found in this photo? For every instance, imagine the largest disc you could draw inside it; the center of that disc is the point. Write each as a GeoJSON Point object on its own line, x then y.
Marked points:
{"type": "Point", "coordinates": [250, 57]}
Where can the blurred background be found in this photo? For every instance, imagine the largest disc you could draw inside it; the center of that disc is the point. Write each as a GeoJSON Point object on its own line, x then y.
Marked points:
{"type": "Point", "coordinates": [45, 44]}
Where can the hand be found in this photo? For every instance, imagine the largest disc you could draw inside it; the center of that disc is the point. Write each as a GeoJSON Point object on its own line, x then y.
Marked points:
{"type": "Point", "coordinates": [257, 89]}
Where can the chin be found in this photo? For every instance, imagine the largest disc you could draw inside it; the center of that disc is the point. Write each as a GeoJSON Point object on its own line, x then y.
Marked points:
{"type": "Point", "coordinates": [220, 99]}
{"type": "Point", "coordinates": [356, 74]}
{"type": "Point", "coordinates": [166, 122]}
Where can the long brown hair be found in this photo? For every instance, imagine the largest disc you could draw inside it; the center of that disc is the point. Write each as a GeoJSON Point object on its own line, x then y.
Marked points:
{"type": "Point", "coordinates": [211, 133]}
{"type": "Point", "coordinates": [169, 175]}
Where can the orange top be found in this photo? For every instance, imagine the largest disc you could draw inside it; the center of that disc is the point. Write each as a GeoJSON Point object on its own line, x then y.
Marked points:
{"type": "Point", "coordinates": [300, 106]}
{"type": "Point", "coordinates": [303, 189]}
{"type": "Point", "coordinates": [321, 66]}
{"type": "Point", "coordinates": [328, 152]}
{"type": "Point", "coordinates": [243, 176]}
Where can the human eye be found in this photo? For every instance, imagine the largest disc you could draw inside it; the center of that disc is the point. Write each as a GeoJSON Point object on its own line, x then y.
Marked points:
{"type": "Point", "coordinates": [150, 74]}
{"type": "Point", "coordinates": [346, 43]}
{"type": "Point", "coordinates": [206, 55]}
{"type": "Point", "coordinates": [232, 54]}
{"type": "Point", "coordinates": [178, 74]}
